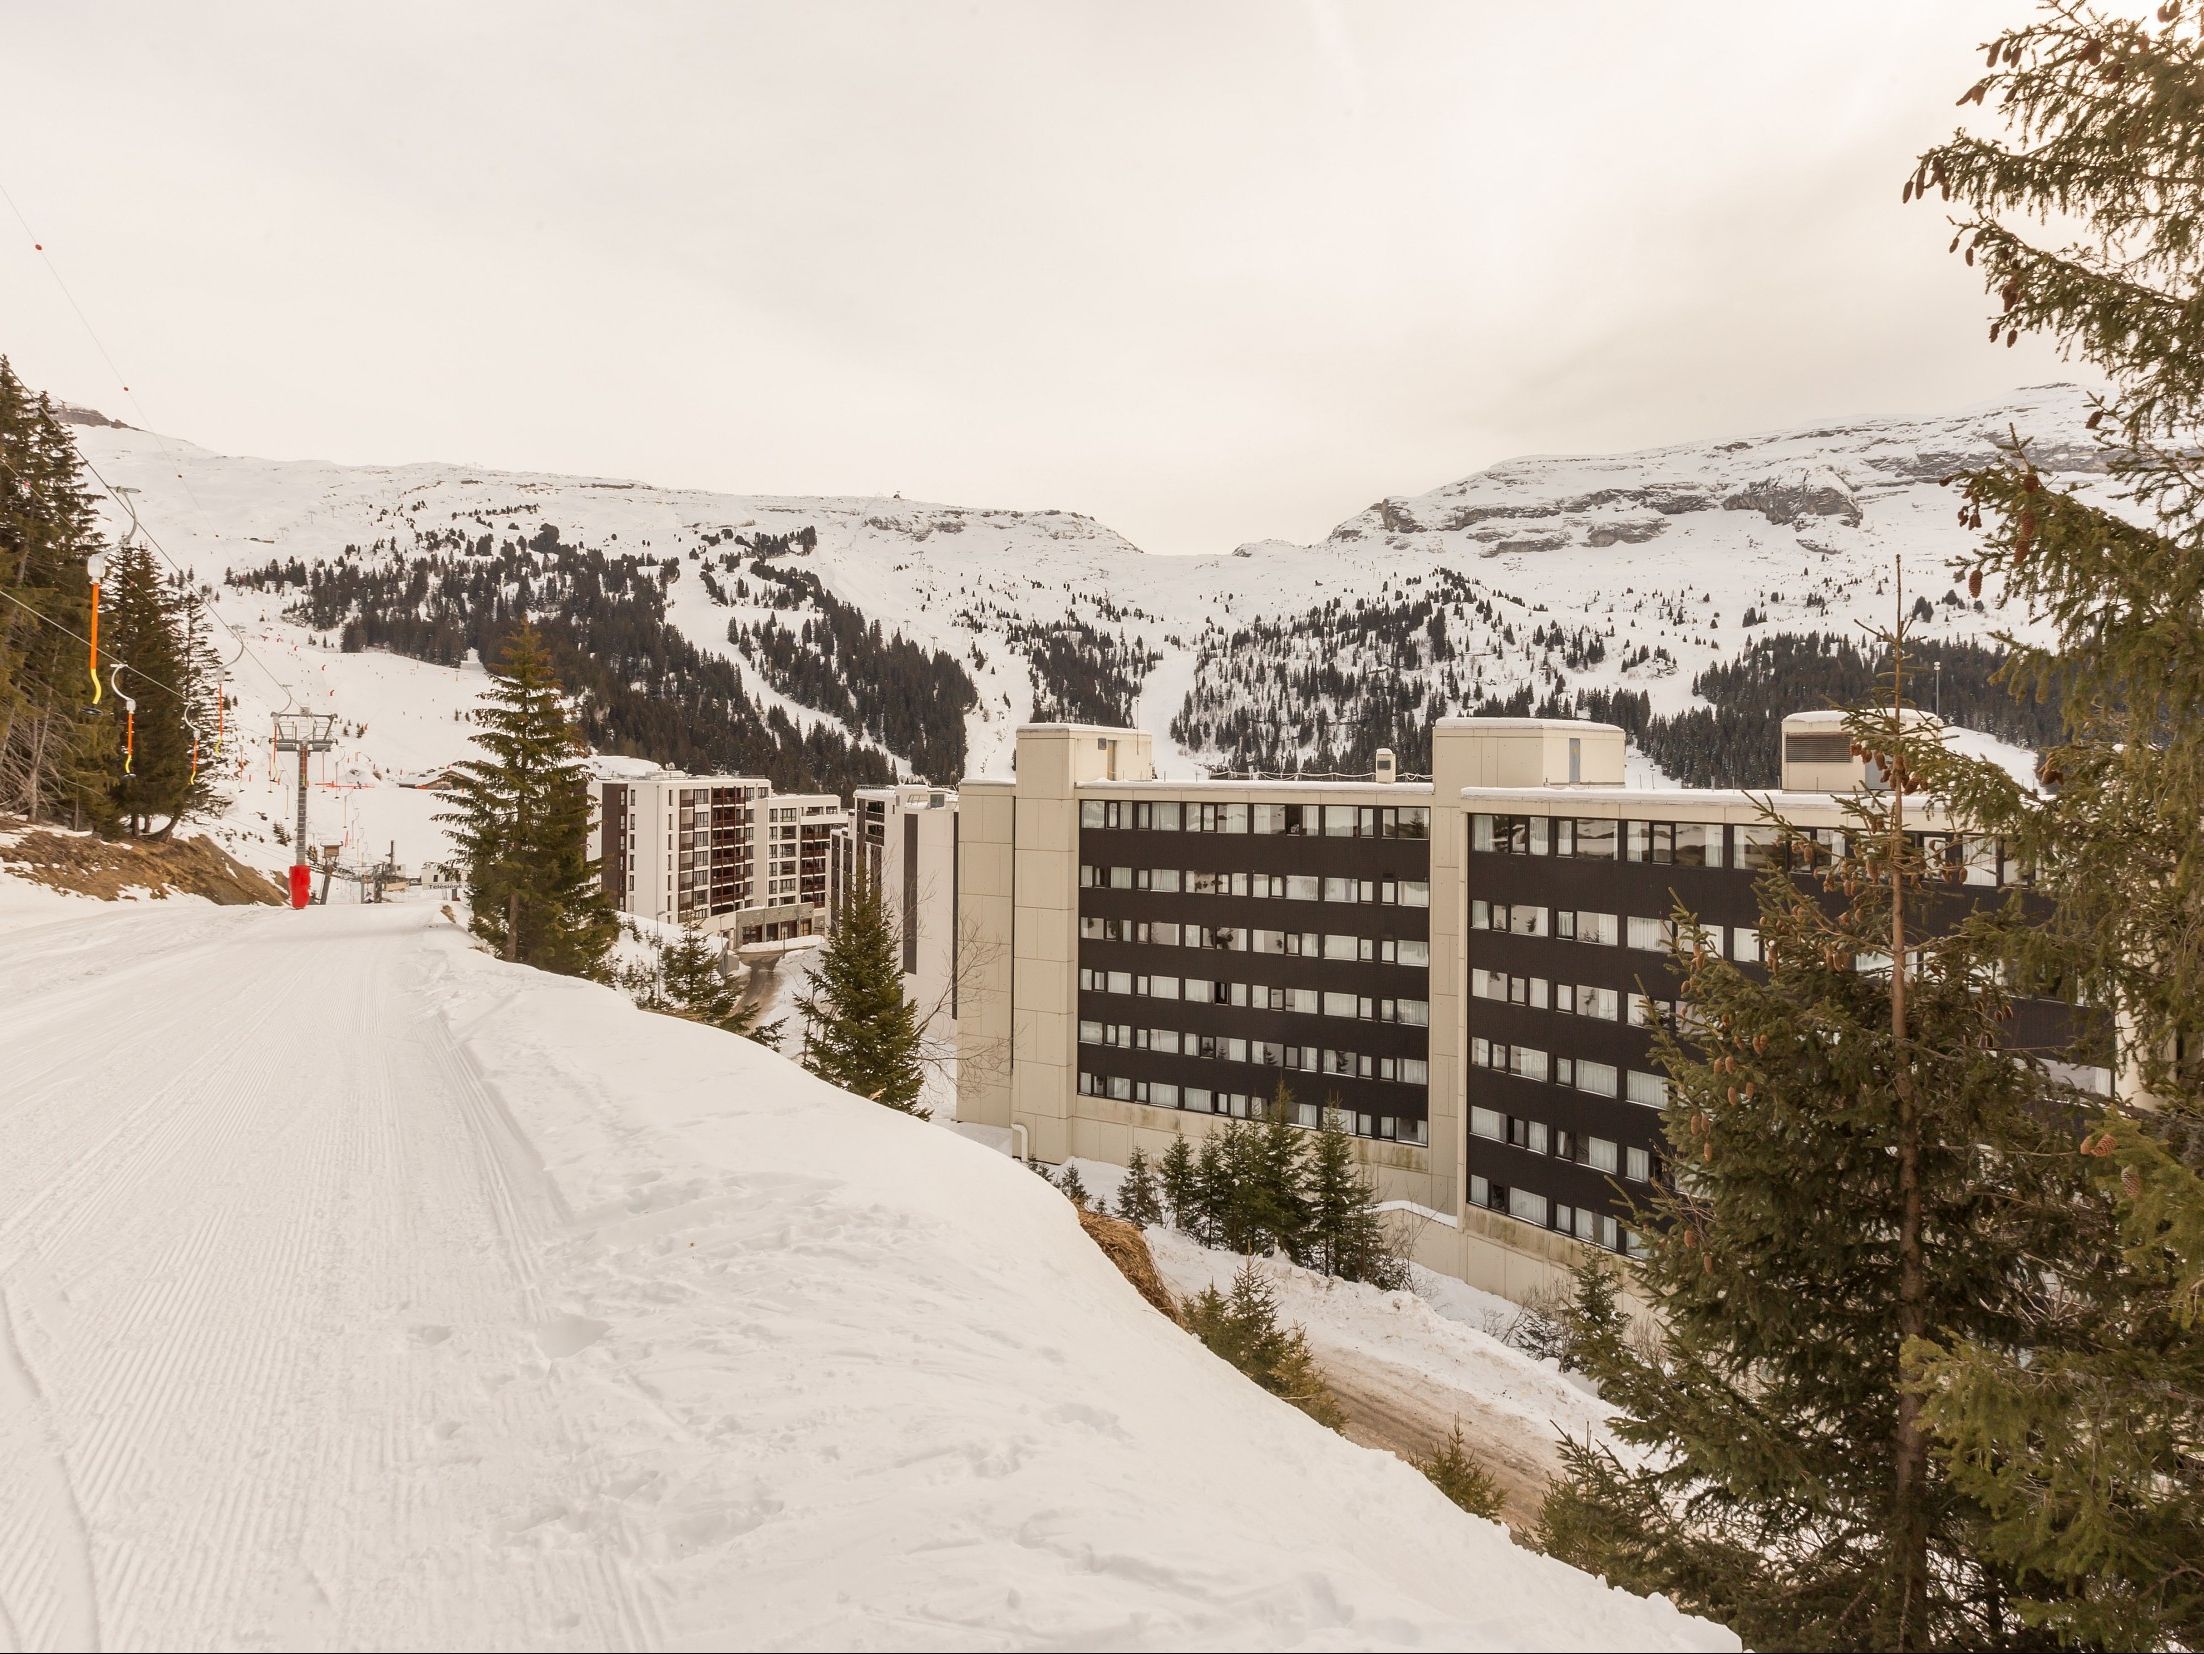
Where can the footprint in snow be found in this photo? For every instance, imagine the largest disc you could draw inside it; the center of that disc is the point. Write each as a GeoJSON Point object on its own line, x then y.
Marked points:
{"type": "Point", "coordinates": [568, 1334]}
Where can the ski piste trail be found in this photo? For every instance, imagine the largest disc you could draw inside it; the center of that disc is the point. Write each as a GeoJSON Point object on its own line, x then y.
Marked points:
{"type": "Point", "coordinates": [359, 1290]}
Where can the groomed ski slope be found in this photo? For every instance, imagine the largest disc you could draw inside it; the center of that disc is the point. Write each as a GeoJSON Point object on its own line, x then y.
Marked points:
{"type": "Point", "coordinates": [361, 1290]}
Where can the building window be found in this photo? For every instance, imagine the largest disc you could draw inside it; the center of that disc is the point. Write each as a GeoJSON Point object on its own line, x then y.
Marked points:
{"type": "Point", "coordinates": [1759, 848]}
{"type": "Point", "coordinates": [1526, 1206]}
{"type": "Point", "coordinates": [1579, 926]}
{"type": "Point", "coordinates": [1488, 1122]}
{"type": "Point", "coordinates": [1649, 1089]}
{"type": "Point", "coordinates": [1509, 835]}
{"type": "Point", "coordinates": [1745, 944]}
{"type": "Point", "coordinates": [1599, 1078]}
{"type": "Point", "coordinates": [1586, 837]}
{"type": "Point", "coordinates": [1599, 1154]}
{"type": "Point", "coordinates": [1637, 1165]}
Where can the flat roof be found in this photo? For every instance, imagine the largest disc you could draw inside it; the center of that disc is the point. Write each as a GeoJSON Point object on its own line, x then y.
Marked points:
{"type": "Point", "coordinates": [1419, 789]}
{"type": "Point", "coordinates": [1518, 725]}
{"type": "Point", "coordinates": [1672, 801]}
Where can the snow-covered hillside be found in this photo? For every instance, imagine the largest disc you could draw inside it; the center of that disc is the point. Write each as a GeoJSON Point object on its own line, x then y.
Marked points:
{"type": "Point", "coordinates": [359, 1290]}
{"type": "Point", "coordinates": [1623, 572]}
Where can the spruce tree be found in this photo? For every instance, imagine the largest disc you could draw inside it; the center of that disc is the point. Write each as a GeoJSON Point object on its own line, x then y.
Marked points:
{"type": "Point", "coordinates": [2089, 1451]}
{"type": "Point", "coordinates": [1277, 1215]}
{"type": "Point", "coordinates": [860, 1032]}
{"type": "Point", "coordinates": [690, 983]}
{"type": "Point", "coordinates": [1074, 1187]}
{"type": "Point", "coordinates": [56, 757]}
{"type": "Point", "coordinates": [1137, 1200]}
{"type": "Point", "coordinates": [1345, 1232]}
{"type": "Point", "coordinates": [1462, 1479]}
{"type": "Point", "coordinates": [1180, 1181]}
{"type": "Point", "coordinates": [142, 629]}
{"type": "Point", "coordinates": [1853, 1161]}
{"type": "Point", "coordinates": [1243, 1327]}
{"type": "Point", "coordinates": [1592, 1322]}
{"type": "Point", "coordinates": [520, 821]}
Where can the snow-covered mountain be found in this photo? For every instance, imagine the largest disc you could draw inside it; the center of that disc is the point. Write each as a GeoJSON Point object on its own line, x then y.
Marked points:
{"type": "Point", "coordinates": [1557, 574]}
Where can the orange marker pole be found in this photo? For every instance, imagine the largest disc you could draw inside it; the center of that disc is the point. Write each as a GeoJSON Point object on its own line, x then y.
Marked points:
{"type": "Point", "coordinates": [92, 664]}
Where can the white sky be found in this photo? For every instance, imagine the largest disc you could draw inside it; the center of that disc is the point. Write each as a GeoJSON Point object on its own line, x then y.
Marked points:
{"type": "Point", "coordinates": [1208, 272]}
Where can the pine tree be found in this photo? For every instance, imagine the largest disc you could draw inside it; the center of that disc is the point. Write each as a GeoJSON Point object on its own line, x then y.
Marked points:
{"type": "Point", "coordinates": [1345, 1232]}
{"type": "Point", "coordinates": [54, 753]}
{"type": "Point", "coordinates": [1179, 1179]}
{"type": "Point", "coordinates": [2089, 1452]}
{"type": "Point", "coordinates": [1592, 1323]}
{"type": "Point", "coordinates": [689, 982]}
{"type": "Point", "coordinates": [1243, 1327]}
{"type": "Point", "coordinates": [142, 630]}
{"type": "Point", "coordinates": [1462, 1479]}
{"type": "Point", "coordinates": [1277, 1215]}
{"type": "Point", "coordinates": [1074, 1187]}
{"type": "Point", "coordinates": [1854, 1161]}
{"type": "Point", "coordinates": [1226, 1178]}
{"type": "Point", "coordinates": [860, 1032]}
{"type": "Point", "coordinates": [1137, 1200]}
{"type": "Point", "coordinates": [520, 822]}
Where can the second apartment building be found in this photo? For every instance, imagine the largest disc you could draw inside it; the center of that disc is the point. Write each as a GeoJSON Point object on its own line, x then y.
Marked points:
{"type": "Point", "coordinates": [723, 853]}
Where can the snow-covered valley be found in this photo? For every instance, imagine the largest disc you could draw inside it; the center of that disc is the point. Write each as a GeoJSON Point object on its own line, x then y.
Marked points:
{"type": "Point", "coordinates": [363, 1291]}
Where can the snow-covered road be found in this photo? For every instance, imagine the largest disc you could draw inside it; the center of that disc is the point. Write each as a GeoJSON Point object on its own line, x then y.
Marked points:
{"type": "Point", "coordinates": [361, 1291]}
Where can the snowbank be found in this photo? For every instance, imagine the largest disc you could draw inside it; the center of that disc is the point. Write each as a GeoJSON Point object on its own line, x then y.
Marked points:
{"type": "Point", "coordinates": [440, 1301]}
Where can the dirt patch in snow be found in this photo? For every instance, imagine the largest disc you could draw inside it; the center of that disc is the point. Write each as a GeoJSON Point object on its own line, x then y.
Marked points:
{"type": "Point", "coordinates": [1398, 1410]}
{"type": "Point", "coordinates": [1124, 1245]}
{"type": "Point", "coordinates": [110, 869]}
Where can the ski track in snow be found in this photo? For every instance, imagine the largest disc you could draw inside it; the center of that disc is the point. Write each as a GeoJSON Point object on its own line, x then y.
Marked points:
{"type": "Point", "coordinates": [359, 1291]}
{"type": "Point", "coordinates": [214, 1275]}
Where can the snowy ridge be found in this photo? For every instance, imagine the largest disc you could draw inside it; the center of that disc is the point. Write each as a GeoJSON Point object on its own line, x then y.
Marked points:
{"type": "Point", "coordinates": [1657, 556]}
{"type": "Point", "coordinates": [540, 1321]}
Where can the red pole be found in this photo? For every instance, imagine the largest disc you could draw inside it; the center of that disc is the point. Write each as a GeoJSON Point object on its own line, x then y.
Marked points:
{"type": "Point", "coordinates": [302, 876]}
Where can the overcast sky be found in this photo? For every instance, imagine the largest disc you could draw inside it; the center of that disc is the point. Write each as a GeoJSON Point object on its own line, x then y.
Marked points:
{"type": "Point", "coordinates": [1208, 272]}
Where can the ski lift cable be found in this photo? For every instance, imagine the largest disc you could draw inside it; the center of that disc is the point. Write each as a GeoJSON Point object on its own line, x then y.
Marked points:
{"type": "Point", "coordinates": [118, 664]}
{"type": "Point", "coordinates": [99, 344]}
{"type": "Point", "coordinates": [92, 333]}
{"type": "Point", "coordinates": [244, 647]}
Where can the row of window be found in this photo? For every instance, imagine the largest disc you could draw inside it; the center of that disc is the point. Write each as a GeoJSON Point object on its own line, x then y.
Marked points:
{"type": "Point", "coordinates": [1260, 996]}
{"type": "Point", "coordinates": [1682, 843]}
{"type": "Point", "coordinates": [1290, 887]}
{"type": "Point", "coordinates": [1649, 935]}
{"type": "Point", "coordinates": [1241, 1105]}
{"type": "Point", "coordinates": [1601, 1079]}
{"type": "Point", "coordinates": [1536, 1136]}
{"type": "Point", "coordinates": [1961, 858]}
{"type": "Point", "coordinates": [1307, 1059]}
{"type": "Point", "coordinates": [1573, 999]}
{"type": "Point", "coordinates": [1301, 944]}
{"type": "Point", "coordinates": [1406, 821]}
{"type": "Point", "coordinates": [1526, 1206]}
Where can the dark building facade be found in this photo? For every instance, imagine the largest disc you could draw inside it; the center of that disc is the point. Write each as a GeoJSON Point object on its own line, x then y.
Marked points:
{"type": "Point", "coordinates": [1470, 969]}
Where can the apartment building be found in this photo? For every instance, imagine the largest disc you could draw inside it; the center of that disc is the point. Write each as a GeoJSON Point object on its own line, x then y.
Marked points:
{"type": "Point", "coordinates": [721, 852]}
{"type": "Point", "coordinates": [1469, 967]}
{"type": "Point", "coordinates": [904, 840]}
